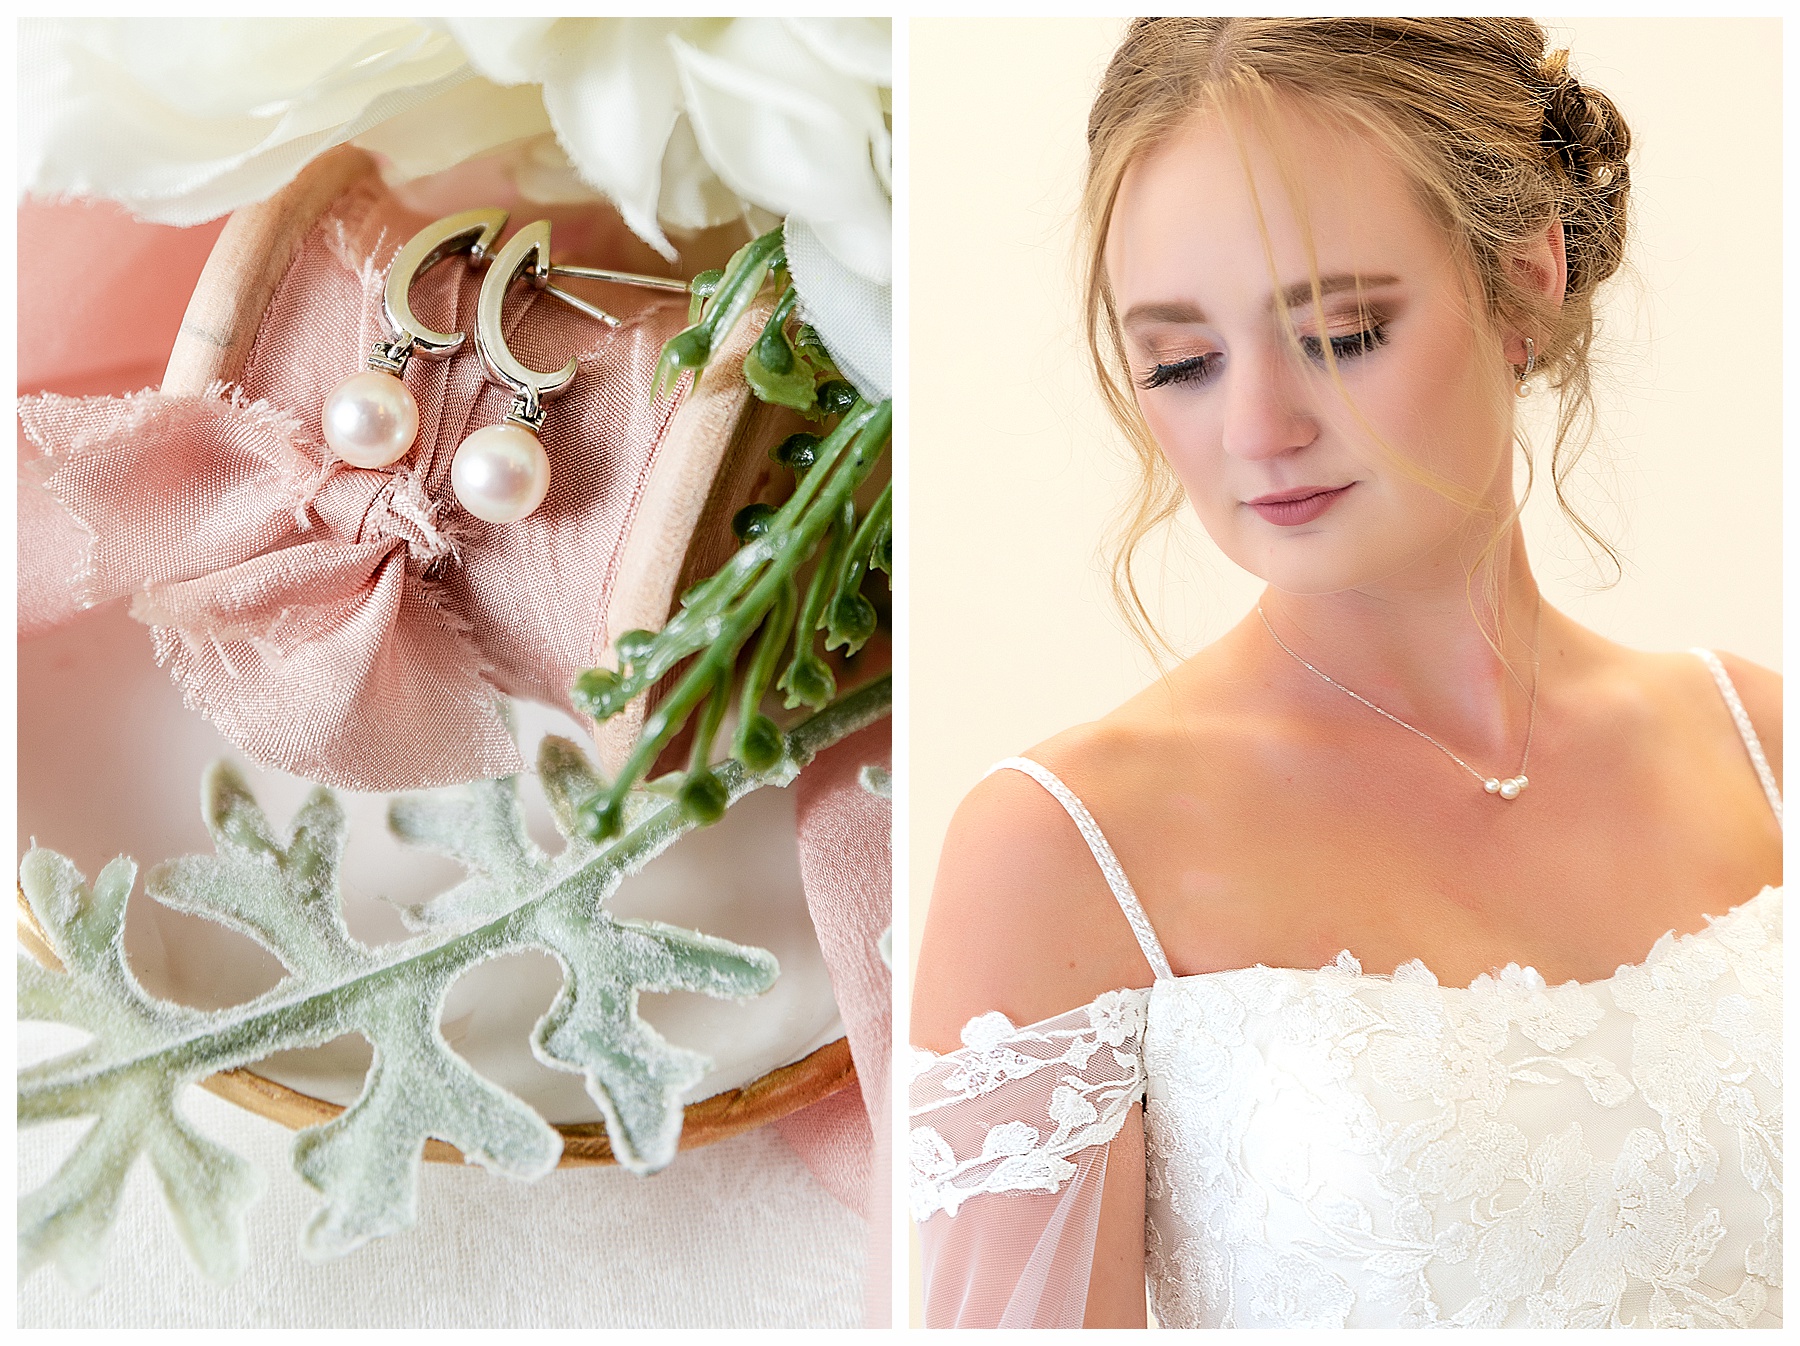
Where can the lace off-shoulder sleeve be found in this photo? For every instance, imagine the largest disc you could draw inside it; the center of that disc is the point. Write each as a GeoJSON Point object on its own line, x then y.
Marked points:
{"type": "Point", "coordinates": [1009, 1139]}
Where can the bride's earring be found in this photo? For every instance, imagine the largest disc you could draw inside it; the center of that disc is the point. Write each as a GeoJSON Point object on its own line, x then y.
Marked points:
{"type": "Point", "coordinates": [1524, 385]}
{"type": "Point", "coordinates": [371, 419]}
{"type": "Point", "coordinates": [501, 473]}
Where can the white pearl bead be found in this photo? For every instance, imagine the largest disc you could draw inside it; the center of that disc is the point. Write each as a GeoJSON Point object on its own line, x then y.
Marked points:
{"type": "Point", "coordinates": [500, 473]}
{"type": "Point", "coordinates": [1522, 781]}
{"type": "Point", "coordinates": [370, 419]}
{"type": "Point", "coordinates": [1491, 785]}
{"type": "Point", "coordinates": [1509, 789]}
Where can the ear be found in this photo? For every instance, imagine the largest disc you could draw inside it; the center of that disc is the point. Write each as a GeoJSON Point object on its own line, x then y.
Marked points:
{"type": "Point", "coordinates": [1544, 267]}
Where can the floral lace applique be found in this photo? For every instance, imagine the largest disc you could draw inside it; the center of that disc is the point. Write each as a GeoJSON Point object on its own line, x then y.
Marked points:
{"type": "Point", "coordinates": [1012, 1104]}
{"type": "Point", "coordinates": [1335, 1149]}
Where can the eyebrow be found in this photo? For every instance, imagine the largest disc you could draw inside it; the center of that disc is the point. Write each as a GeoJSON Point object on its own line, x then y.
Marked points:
{"type": "Point", "coordinates": [1293, 296]}
{"type": "Point", "coordinates": [1302, 292]}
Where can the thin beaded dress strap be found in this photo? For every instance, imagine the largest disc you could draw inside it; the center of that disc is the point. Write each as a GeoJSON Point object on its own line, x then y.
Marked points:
{"type": "Point", "coordinates": [1110, 868]}
{"type": "Point", "coordinates": [1746, 730]}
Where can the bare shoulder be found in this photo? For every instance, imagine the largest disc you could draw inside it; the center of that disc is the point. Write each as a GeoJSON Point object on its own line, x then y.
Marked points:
{"type": "Point", "coordinates": [1021, 920]}
{"type": "Point", "coordinates": [1759, 689]}
{"type": "Point", "coordinates": [1652, 685]}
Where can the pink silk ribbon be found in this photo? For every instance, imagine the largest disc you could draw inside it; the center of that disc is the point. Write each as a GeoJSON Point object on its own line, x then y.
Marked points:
{"type": "Point", "coordinates": [846, 865]}
{"type": "Point", "coordinates": [353, 626]}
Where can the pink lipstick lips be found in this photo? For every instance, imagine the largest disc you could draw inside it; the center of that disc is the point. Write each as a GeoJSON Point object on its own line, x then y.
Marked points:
{"type": "Point", "coordinates": [1286, 509]}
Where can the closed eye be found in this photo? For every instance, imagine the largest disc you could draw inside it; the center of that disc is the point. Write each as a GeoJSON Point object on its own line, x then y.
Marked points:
{"type": "Point", "coordinates": [1194, 369]}
{"type": "Point", "coordinates": [1347, 347]}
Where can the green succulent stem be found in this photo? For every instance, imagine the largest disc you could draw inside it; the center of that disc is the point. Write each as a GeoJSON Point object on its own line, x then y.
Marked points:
{"type": "Point", "coordinates": [783, 310]}
{"type": "Point", "coordinates": [754, 727]}
{"type": "Point", "coordinates": [849, 617]}
{"type": "Point", "coordinates": [775, 371]}
{"type": "Point", "coordinates": [709, 609]}
{"type": "Point", "coordinates": [722, 612]}
{"type": "Point", "coordinates": [731, 298]}
{"type": "Point", "coordinates": [706, 728]}
{"type": "Point", "coordinates": [807, 680]}
{"type": "Point", "coordinates": [700, 289]}
{"type": "Point", "coordinates": [862, 546]}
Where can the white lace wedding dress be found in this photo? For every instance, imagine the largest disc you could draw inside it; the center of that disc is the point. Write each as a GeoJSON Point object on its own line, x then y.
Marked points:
{"type": "Point", "coordinates": [1339, 1149]}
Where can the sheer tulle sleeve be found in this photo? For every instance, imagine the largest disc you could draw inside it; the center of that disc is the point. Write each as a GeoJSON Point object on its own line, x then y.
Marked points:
{"type": "Point", "coordinates": [1009, 1141]}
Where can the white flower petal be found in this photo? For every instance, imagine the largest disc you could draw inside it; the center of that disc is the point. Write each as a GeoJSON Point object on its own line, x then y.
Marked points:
{"type": "Point", "coordinates": [692, 197]}
{"type": "Point", "coordinates": [851, 312]}
{"type": "Point", "coordinates": [184, 121]}
{"type": "Point", "coordinates": [860, 48]}
{"type": "Point", "coordinates": [542, 172]}
{"type": "Point", "coordinates": [506, 51]}
{"type": "Point", "coordinates": [613, 97]}
{"type": "Point", "coordinates": [475, 118]}
{"type": "Point", "coordinates": [790, 135]}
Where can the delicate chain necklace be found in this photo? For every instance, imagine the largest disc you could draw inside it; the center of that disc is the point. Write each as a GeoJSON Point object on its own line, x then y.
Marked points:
{"type": "Point", "coordinates": [1509, 788]}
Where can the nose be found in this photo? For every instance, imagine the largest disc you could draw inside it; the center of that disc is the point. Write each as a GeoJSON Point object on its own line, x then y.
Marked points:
{"type": "Point", "coordinates": [1266, 414]}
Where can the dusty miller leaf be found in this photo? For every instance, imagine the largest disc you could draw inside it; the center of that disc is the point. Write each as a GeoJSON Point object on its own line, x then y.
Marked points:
{"type": "Point", "coordinates": [207, 1187]}
{"type": "Point", "coordinates": [282, 891]}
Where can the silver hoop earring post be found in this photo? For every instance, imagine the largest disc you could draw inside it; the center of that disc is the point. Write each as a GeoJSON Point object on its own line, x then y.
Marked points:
{"type": "Point", "coordinates": [1524, 385]}
{"type": "Point", "coordinates": [371, 419]}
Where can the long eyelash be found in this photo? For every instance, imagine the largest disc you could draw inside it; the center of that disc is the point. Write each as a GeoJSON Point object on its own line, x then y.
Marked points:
{"type": "Point", "coordinates": [1349, 346]}
{"type": "Point", "coordinates": [1196, 368]}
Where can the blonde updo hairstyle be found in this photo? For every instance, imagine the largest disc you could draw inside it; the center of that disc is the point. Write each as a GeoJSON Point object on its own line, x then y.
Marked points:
{"type": "Point", "coordinates": [1496, 133]}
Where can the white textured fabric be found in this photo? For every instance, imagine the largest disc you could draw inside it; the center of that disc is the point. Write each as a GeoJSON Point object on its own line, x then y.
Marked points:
{"type": "Point", "coordinates": [1331, 1148]}
{"type": "Point", "coordinates": [853, 313]}
{"type": "Point", "coordinates": [738, 1234]}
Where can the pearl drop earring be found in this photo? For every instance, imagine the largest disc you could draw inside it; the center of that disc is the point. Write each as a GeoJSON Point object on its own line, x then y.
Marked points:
{"type": "Point", "coordinates": [371, 419]}
{"type": "Point", "coordinates": [1523, 388]}
{"type": "Point", "coordinates": [501, 473]}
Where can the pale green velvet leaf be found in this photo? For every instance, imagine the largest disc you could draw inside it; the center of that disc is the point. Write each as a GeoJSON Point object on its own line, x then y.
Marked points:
{"type": "Point", "coordinates": [482, 826]}
{"type": "Point", "coordinates": [85, 926]}
{"type": "Point", "coordinates": [567, 779]}
{"type": "Point", "coordinates": [633, 1074]}
{"type": "Point", "coordinates": [282, 889]}
{"type": "Point", "coordinates": [208, 1189]}
{"type": "Point", "coordinates": [50, 997]}
{"type": "Point", "coordinates": [366, 1162]}
{"type": "Point", "coordinates": [66, 1220]}
{"type": "Point", "coordinates": [85, 922]}
{"type": "Point", "coordinates": [283, 895]}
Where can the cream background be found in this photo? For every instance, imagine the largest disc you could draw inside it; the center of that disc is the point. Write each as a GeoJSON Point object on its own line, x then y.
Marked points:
{"type": "Point", "coordinates": [1015, 466]}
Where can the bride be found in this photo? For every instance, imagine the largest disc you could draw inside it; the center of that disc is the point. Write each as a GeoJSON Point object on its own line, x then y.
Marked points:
{"type": "Point", "coordinates": [1369, 958]}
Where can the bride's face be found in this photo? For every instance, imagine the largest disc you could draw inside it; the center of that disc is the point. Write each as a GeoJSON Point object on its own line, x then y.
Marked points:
{"type": "Point", "coordinates": [1293, 475]}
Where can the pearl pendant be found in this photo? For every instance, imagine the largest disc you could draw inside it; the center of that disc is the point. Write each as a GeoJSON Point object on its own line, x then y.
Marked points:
{"type": "Point", "coordinates": [1509, 789]}
{"type": "Point", "coordinates": [500, 473]}
{"type": "Point", "coordinates": [1491, 785]}
{"type": "Point", "coordinates": [370, 419]}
